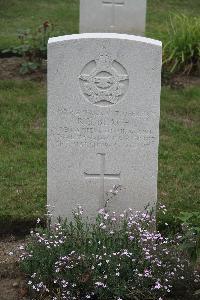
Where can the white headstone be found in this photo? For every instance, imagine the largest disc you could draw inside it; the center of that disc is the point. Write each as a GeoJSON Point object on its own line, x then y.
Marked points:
{"type": "Point", "coordinates": [122, 16]}
{"type": "Point", "coordinates": [103, 121]}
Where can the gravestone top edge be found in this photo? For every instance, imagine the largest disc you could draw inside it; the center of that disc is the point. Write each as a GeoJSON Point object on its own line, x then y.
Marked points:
{"type": "Point", "coordinates": [118, 36]}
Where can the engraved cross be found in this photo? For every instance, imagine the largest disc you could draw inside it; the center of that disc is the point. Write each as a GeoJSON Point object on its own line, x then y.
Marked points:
{"type": "Point", "coordinates": [102, 175]}
{"type": "Point", "coordinates": [113, 4]}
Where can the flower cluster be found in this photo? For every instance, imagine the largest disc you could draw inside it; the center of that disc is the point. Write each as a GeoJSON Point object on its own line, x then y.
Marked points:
{"type": "Point", "coordinates": [120, 256]}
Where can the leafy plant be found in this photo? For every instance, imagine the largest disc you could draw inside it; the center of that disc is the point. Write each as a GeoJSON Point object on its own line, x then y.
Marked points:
{"type": "Point", "coordinates": [181, 51]}
{"type": "Point", "coordinates": [28, 67]}
{"type": "Point", "coordinates": [191, 237]}
{"type": "Point", "coordinates": [117, 257]}
{"type": "Point", "coordinates": [33, 47]}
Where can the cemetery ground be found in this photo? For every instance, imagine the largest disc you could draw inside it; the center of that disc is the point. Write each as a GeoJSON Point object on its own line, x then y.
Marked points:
{"type": "Point", "coordinates": [23, 152]}
{"type": "Point", "coordinates": [23, 131]}
{"type": "Point", "coordinates": [23, 175]}
{"type": "Point", "coordinates": [23, 161]}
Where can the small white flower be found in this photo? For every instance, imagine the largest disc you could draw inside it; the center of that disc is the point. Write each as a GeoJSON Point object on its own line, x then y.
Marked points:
{"type": "Point", "coordinates": [33, 276]}
{"type": "Point", "coordinates": [101, 211]}
{"type": "Point", "coordinates": [106, 216]}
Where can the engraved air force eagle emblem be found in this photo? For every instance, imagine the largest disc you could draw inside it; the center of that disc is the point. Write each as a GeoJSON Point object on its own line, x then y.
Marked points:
{"type": "Point", "coordinates": [104, 81]}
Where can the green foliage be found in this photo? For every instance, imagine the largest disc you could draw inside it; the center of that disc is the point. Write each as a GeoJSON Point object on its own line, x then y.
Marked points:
{"type": "Point", "coordinates": [33, 47]}
{"type": "Point", "coordinates": [158, 15]}
{"type": "Point", "coordinates": [191, 229]}
{"type": "Point", "coordinates": [116, 257]}
{"type": "Point", "coordinates": [181, 52]}
{"type": "Point", "coordinates": [191, 219]}
{"type": "Point", "coordinates": [28, 67]}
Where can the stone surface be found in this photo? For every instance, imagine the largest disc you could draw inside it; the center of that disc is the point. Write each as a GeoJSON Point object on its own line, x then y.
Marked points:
{"type": "Point", "coordinates": [122, 16]}
{"type": "Point", "coordinates": [103, 121]}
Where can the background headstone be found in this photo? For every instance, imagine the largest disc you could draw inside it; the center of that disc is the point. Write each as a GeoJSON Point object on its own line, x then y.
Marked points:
{"type": "Point", "coordinates": [122, 16]}
{"type": "Point", "coordinates": [103, 121]}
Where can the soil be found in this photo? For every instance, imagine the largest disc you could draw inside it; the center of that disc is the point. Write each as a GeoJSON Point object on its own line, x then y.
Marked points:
{"type": "Point", "coordinates": [181, 81]}
{"type": "Point", "coordinates": [9, 70]}
{"type": "Point", "coordinates": [12, 281]}
{"type": "Point", "coordinates": [10, 66]}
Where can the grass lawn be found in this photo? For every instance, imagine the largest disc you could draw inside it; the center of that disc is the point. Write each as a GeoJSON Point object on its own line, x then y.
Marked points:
{"type": "Point", "coordinates": [158, 13]}
{"type": "Point", "coordinates": [179, 151]}
{"type": "Point", "coordinates": [17, 15]}
{"type": "Point", "coordinates": [23, 150]}
{"type": "Point", "coordinates": [23, 117]}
